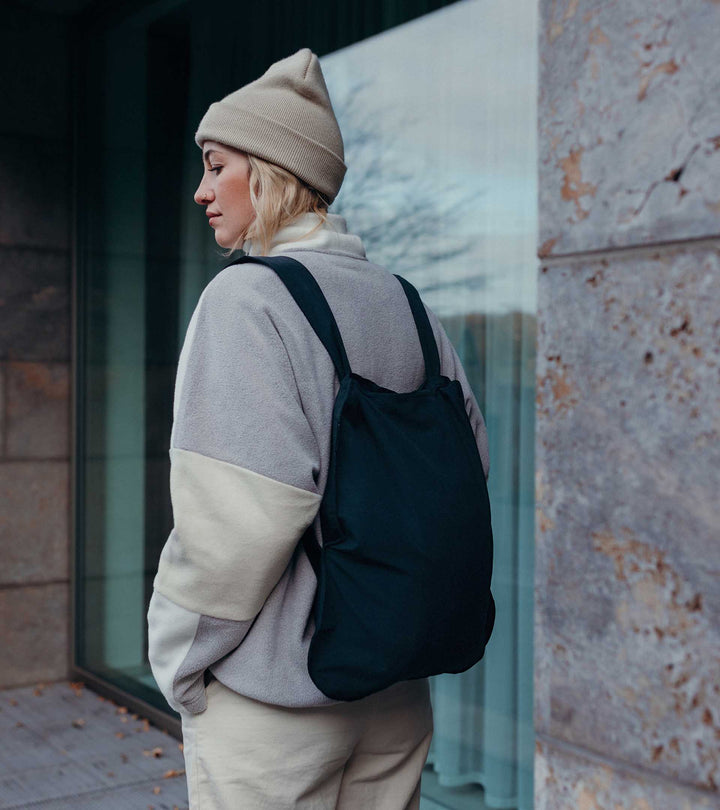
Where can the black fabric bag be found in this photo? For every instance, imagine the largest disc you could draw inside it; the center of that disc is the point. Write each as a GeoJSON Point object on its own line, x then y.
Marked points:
{"type": "Point", "coordinates": [406, 562]}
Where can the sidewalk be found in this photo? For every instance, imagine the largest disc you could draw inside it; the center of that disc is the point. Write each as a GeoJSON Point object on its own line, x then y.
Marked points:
{"type": "Point", "coordinates": [63, 747]}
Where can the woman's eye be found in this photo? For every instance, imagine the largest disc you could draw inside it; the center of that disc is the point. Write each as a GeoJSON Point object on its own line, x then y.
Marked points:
{"type": "Point", "coordinates": [216, 169]}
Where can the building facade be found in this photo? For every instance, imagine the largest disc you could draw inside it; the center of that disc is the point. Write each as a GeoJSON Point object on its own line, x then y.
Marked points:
{"type": "Point", "coordinates": [559, 166]}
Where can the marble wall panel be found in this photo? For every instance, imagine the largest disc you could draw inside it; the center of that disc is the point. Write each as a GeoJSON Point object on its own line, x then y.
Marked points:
{"type": "Point", "coordinates": [2, 409]}
{"type": "Point", "coordinates": [34, 304]}
{"type": "Point", "coordinates": [566, 780]}
{"type": "Point", "coordinates": [36, 200]}
{"type": "Point", "coordinates": [34, 623]}
{"type": "Point", "coordinates": [34, 521]}
{"type": "Point", "coordinates": [628, 514]}
{"type": "Point", "coordinates": [37, 410]}
{"type": "Point", "coordinates": [628, 123]}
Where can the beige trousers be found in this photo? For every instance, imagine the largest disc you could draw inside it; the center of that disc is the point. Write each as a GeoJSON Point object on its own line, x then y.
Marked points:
{"type": "Point", "coordinates": [368, 754]}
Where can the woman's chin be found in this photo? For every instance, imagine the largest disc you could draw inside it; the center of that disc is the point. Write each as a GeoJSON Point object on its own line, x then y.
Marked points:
{"type": "Point", "coordinates": [223, 240]}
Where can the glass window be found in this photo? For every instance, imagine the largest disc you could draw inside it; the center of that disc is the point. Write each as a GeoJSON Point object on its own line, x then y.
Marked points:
{"type": "Point", "coordinates": [437, 105]}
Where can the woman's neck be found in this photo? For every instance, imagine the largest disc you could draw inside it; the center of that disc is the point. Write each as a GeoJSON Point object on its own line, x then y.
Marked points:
{"type": "Point", "coordinates": [303, 234]}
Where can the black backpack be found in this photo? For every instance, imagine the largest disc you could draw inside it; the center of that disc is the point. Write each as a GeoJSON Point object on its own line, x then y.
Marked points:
{"type": "Point", "coordinates": [405, 566]}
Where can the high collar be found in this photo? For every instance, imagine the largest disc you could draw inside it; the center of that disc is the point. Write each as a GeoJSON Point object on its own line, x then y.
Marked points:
{"type": "Point", "coordinates": [331, 235]}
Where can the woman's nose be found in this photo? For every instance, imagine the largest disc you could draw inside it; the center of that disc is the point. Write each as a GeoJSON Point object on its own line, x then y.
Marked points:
{"type": "Point", "coordinates": [202, 194]}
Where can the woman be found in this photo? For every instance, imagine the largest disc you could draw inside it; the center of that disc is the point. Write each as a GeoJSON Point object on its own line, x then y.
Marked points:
{"type": "Point", "coordinates": [230, 619]}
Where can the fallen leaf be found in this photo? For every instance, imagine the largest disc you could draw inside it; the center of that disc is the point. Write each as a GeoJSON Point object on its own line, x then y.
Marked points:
{"type": "Point", "coordinates": [19, 724]}
{"type": "Point", "coordinates": [77, 687]}
{"type": "Point", "coordinates": [153, 752]}
{"type": "Point", "coordinates": [146, 725]}
{"type": "Point", "coordinates": [156, 790]}
{"type": "Point", "coordinates": [119, 734]}
{"type": "Point", "coordinates": [121, 710]}
{"type": "Point", "coordinates": [124, 757]}
{"type": "Point", "coordinates": [180, 746]}
{"type": "Point", "coordinates": [78, 723]}
{"type": "Point", "coordinates": [173, 773]}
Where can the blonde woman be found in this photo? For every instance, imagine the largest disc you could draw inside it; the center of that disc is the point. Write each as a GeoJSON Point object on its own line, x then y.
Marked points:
{"type": "Point", "coordinates": [230, 619]}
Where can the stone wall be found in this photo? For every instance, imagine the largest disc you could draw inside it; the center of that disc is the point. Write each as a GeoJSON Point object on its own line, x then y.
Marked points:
{"type": "Point", "coordinates": [627, 676]}
{"type": "Point", "coordinates": [35, 346]}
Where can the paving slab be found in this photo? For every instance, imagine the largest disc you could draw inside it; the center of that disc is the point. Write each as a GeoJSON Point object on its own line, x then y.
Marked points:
{"type": "Point", "coordinates": [64, 746]}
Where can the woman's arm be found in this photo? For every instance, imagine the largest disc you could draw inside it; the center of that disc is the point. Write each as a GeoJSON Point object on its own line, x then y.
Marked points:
{"type": "Point", "coordinates": [241, 483]}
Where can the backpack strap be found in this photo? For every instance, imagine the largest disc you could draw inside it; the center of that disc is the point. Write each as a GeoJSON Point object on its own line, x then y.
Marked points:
{"type": "Point", "coordinates": [424, 329]}
{"type": "Point", "coordinates": [309, 297]}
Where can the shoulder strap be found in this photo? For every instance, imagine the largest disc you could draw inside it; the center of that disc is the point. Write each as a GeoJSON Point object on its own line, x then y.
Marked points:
{"type": "Point", "coordinates": [425, 332]}
{"type": "Point", "coordinates": [309, 297]}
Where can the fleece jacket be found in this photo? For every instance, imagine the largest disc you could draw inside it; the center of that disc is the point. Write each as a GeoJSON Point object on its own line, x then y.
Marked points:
{"type": "Point", "coordinates": [249, 453]}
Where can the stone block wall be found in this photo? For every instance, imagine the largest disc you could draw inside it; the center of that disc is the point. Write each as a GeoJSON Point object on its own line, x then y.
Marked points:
{"type": "Point", "coordinates": [627, 674]}
{"type": "Point", "coordinates": [35, 345]}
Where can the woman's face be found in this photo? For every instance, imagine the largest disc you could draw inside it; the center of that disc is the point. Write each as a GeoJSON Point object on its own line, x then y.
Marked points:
{"type": "Point", "coordinates": [225, 190]}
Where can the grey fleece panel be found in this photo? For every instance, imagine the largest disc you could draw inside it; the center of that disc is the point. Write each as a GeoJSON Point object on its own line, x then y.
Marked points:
{"type": "Point", "coordinates": [237, 405]}
{"type": "Point", "coordinates": [214, 639]}
{"type": "Point", "coordinates": [237, 399]}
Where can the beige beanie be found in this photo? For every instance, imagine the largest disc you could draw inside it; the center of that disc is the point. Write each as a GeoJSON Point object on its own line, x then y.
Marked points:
{"type": "Point", "coordinates": [284, 117]}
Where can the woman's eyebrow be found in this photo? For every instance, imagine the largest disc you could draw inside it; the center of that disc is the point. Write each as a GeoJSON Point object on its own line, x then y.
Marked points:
{"type": "Point", "coordinates": [209, 152]}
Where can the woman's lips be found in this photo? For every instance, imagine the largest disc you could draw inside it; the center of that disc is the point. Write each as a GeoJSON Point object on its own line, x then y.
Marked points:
{"type": "Point", "coordinates": [212, 219]}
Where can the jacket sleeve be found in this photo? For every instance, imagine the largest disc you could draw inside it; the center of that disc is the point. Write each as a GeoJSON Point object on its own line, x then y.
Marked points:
{"type": "Point", "coordinates": [450, 366]}
{"type": "Point", "coordinates": [243, 460]}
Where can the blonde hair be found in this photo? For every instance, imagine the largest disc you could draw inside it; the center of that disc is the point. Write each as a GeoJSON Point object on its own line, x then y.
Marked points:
{"type": "Point", "coordinates": [277, 196]}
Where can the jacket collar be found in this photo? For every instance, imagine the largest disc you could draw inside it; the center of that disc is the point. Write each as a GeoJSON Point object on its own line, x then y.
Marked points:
{"type": "Point", "coordinates": [332, 235]}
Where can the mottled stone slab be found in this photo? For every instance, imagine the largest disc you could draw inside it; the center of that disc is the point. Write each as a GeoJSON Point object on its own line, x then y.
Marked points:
{"type": "Point", "coordinates": [628, 123]}
{"type": "Point", "coordinates": [34, 633]}
{"type": "Point", "coordinates": [35, 204]}
{"type": "Point", "coordinates": [628, 513]}
{"type": "Point", "coordinates": [567, 780]}
{"type": "Point", "coordinates": [34, 305]}
{"type": "Point", "coordinates": [34, 521]}
{"type": "Point", "coordinates": [2, 409]}
{"type": "Point", "coordinates": [38, 410]}
{"type": "Point", "coordinates": [35, 101]}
